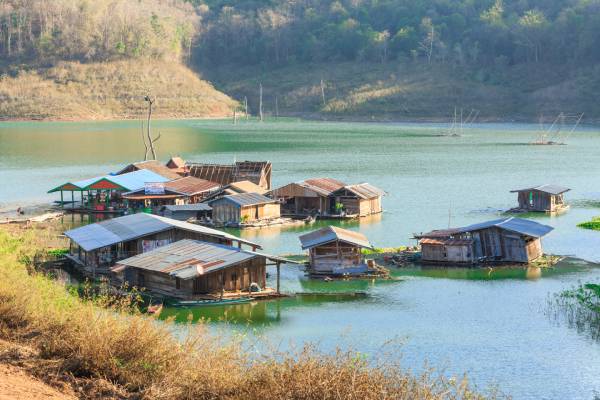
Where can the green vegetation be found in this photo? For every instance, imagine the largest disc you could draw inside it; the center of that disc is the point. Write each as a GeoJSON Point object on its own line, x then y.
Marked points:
{"type": "Point", "coordinates": [77, 338]}
{"type": "Point", "coordinates": [580, 307]}
{"type": "Point", "coordinates": [98, 59]}
{"type": "Point", "coordinates": [594, 224]}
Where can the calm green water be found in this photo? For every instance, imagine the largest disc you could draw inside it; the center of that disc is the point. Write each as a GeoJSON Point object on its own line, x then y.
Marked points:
{"type": "Point", "coordinates": [489, 324]}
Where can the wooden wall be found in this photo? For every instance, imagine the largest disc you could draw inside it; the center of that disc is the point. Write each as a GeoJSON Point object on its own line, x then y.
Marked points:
{"type": "Point", "coordinates": [226, 212]}
{"type": "Point", "coordinates": [540, 201]}
{"type": "Point", "coordinates": [323, 259]}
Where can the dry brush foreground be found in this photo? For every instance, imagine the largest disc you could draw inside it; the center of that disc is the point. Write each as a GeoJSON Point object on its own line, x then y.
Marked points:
{"type": "Point", "coordinates": [109, 353]}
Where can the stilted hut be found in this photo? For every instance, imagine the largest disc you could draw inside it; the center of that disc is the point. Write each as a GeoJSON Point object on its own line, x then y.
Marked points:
{"type": "Point", "coordinates": [335, 251]}
{"type": "Point", "coordinates": [507, 240]}
{"type": "Point", "coordinates": [544, 198]}
{"type": "Point", "coordinates": [308, 198]}
{"type": "Point", "coordinates": [96, 247]}
{"type": "Point", "coordinates": [244, 208]}
{"type": "Point", "coordinates": [151, 165]}
{"type": "Point", "coordinates": [257, 172]}
{"type": "Point", "coordinates": [186, 190]}
{"type": "Point", "coordinates": [177, 164]}
{"type": "Point", "coordinates": [191, 269]}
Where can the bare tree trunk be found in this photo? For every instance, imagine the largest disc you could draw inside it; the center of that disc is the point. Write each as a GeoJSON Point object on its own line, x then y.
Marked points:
{"type": "Point", "coordinates": [246, 107]}
{"type": "Point", "coordinates": [144, 140]}
{"type": "Point", "coordinates": [276, 108]}
{"type": "Point", "coordinates": [323, 92]}
{"type": "Point", "coordinates": [431, 45]}
{"type": "Point", "coordinates": [260, 103]}
{"type": "Point", "coordinates": [150, 140]}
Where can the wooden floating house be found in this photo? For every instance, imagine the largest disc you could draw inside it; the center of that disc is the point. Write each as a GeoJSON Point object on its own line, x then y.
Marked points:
{"type": "Point", "coordinates": [104, 192]}
{"type": "Point", "coordinates": [257, 172]}
{"type": "Point", "coordinates": [239, 209]}
{"type": "Point", "coordinates": [328, 198]}
{"type": "Point", "coordinates": [507, 240]}
{"type": "Point", "coordinates": [186, 190]}
{"type": "Point", "coordinates": [177, 164]}
{"type": "Point", "coordinates": [192, 269]}
{"type": "Point", "coordinates": [236, 188]}
{"type": "Point", "coordinates": [335, 251]}
{"type": "Point", "coordinates": [96, 247]}
{"type": "Point", "coordinates": [544, 198]}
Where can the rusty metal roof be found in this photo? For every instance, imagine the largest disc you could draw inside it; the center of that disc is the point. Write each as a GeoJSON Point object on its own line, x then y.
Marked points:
{"type": "Point", "coordinates": [323, 186]}
{"type": "Point", "coordinates": [190, 185]}
{"type": "Point", "coordinates": [188, 259]}
{"type": "Point", "coordinates": [134, 226]}
{"type": "Point", "coordinates": [363, 190]}
{"type": "Point", "coordinates": [548, 188]}
{"type": "Point", "coordinates": [518, 225]}
{"type": "Point", "coordinates": [154, 166]}
{"type": "Point", "coordinates": [333, 233]}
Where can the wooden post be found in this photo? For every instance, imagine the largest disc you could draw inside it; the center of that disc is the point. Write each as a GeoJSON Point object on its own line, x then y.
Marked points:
{"type": "Point", "coordinates": [73, 198]}
{"type": "Point", "coordinates": [222, 284]}
{"type": "Point", "coordinates": [62, 202]}
{"type": "Point", "coordinates": [234, 116]}
{"type": "Point", "coordinates": [260, 102]}
{"type": "Point", "coordinates": [278, 276]}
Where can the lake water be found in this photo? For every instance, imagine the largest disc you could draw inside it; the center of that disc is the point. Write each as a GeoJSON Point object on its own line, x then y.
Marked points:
{"type": "Point", "coordinates": [488, 324]}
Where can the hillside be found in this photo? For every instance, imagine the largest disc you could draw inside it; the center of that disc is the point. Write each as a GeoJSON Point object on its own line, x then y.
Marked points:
{"type": "Point", "coordinates": [409, 91]}
{"type": "Point", "coordinates": [109, 90]}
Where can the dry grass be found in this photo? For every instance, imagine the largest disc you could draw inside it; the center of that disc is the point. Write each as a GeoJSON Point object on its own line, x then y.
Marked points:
{"type": "Point", "coordinates": [142, 357]}
{"type": "Point", "coordinates": [110, 90]}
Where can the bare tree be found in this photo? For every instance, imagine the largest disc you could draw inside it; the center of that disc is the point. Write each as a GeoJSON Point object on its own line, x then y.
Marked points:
{"type": "Point", "coordinates": [151, 141]}
{"type": "Point", "coordinates": [246, 107]}
{"type": "Point", "coordinates": [426, 45]}
{"type": "Point", "coordinates": [323, 92]}
{"type": "Point", "coordinates": [144, 141]}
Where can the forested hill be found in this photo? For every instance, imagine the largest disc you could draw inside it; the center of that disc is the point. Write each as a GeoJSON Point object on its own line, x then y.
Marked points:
{"type": "Point", "coordinates": [406, 58]}
{"type": "Point", "coordinates": [97, 59]}
{"type": "Point", "coordinates": [393, 59]}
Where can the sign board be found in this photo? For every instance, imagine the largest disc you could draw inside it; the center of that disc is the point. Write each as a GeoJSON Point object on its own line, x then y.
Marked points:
{"type": "Point", "coordinates": [154, 188]}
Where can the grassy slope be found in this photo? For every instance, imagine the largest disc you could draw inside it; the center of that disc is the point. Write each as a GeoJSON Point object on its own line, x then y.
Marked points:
{"type": "Point", "coordinates": [109, 90]}
{"type": "Point", "coordinates": [81, 339]}
{"type": "Point", "coordinates": [409, 91]}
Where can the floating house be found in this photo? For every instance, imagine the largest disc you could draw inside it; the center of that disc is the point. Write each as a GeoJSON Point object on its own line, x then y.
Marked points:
{"type": "Point", "coordinates": [544, 198]}
{"type": "Point", "coordinates": [308, 198]}
{"type": "Point", "coordinates": [328, 198]}
{"type": "Point", "coordinates": [192, 269]}
{"type": "Point", "coordinates": [362, 199]}
{"type": "Point", "coordinates": [257, 172]}
{"type": "Point", "coordinates": [507, 240]}
{"type": "Point", "coordinates": [186, 212]}
{"type": "Point", "coordinates": [186, 190]}
{"type": "Point", "coordinates": [335, 251]}
{"type": "Point", "coordinates": [96, 247]}
{"type": "Point", "coordinates": [104, 192]}
{"type": "Point", "coordinates": [151, 165]}
{"type": "Point", "coordinates": [244, 208]}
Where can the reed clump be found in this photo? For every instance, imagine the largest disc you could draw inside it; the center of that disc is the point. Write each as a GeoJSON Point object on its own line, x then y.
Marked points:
{"type": "Point", "coordinates": [116, 343]}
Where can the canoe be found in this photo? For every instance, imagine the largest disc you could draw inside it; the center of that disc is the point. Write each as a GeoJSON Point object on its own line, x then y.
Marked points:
{"type": "Point", "coordinates": [215, 302]}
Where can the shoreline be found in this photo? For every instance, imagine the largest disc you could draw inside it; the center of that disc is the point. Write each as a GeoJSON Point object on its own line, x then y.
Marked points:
{"type": "Point", "coordinates": [307, 116]}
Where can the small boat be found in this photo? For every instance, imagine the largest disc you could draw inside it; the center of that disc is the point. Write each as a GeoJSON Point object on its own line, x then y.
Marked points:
{"type": "Point", "coordinates": [211, 302]}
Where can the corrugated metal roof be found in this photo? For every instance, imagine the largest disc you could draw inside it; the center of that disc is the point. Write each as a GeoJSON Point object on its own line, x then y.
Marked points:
{"type": "Point", "coordinates": [246, 199]}
{"type": "Point", "coordinates": [324, 186]}
{"type": "Point", "coordinates": [189, 207]}
{"type": "Point", "coordinates": [190, 185]}
{"type": "Point", "coordinates": [129, 227]}
{"type": "Point", "coordinates": [548, 188]}
{"type": "Point", "coordinates": [187, 259]}
{"type": "Point", "coordinates": [363, 190]}
{"type": "Point", "coordinates": [246, 187]}
{"type": "Point", "coordinates": [518, 225]}
{"type": "Point", "coordinates": [332, 233]}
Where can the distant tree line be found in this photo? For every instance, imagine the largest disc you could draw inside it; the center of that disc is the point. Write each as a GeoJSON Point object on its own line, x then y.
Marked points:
{"type": "Point", "coordinates": [94, 30]}
{"type": "Point", "coordinates": [282, 32]}
{"type": "Point", "coordinates": [482, 32]}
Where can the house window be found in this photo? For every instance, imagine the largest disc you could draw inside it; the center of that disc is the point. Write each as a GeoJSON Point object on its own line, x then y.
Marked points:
{"type": "Point", "coordinates": [177, 283]}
